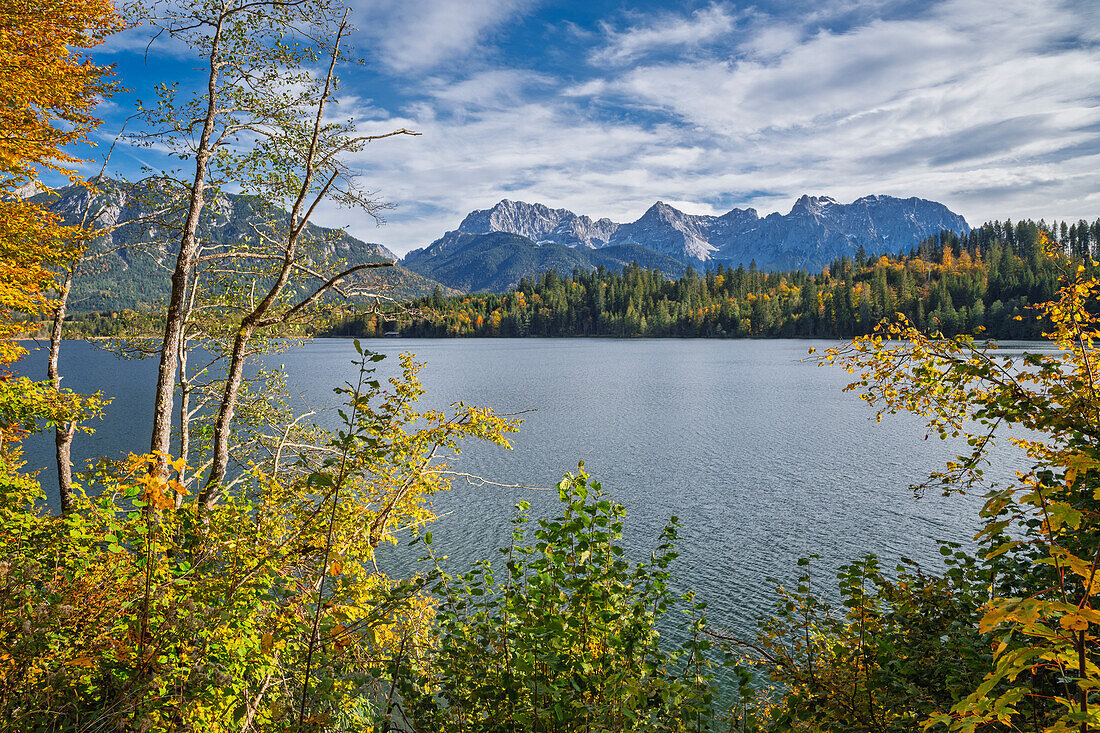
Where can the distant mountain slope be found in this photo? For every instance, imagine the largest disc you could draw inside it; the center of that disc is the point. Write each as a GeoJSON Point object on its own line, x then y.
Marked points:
{"type": "Point", "coordinates": [138, 252]}
{"type": "Point", "coordinates": [817, 231]}
{"type": "Point", "coordinates": [617, 256]}
{"type": "Point", "coordinates": [497, 261]}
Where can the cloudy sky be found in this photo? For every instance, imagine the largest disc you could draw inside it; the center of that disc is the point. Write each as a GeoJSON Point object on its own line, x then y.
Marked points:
{"type": "Point", "coordinates": [992, 108]}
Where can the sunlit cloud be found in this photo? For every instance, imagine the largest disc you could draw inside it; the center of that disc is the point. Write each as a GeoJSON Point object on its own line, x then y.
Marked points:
{"type": "Point", "coordinates": [416, 36]}
{"type": "Point", "coordinates": [663, 32]}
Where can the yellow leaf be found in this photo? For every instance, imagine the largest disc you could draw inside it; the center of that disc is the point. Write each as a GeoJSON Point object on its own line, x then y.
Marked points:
{"type": "Point", "coordinates": [1074, 622]}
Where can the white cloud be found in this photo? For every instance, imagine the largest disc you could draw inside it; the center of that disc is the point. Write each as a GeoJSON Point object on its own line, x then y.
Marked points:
{"type": "Point", "coordinates": [894, 91]}
{"type": "Point", "coordinates": [665, 32]}
{"type": "Point", "coordinates": [490, 89]}
{"type": "Point", "coordinates": [410, 36]}
{"type": "Point", "coordinates": [531, 151]}
{"type": "Point", "coordinates": [770, 41]}
{"type": "Point", "coordinates": [985, 107]}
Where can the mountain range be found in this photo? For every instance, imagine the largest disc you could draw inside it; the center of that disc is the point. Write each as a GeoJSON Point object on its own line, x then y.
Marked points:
{"type": "Point", "coordinates": [817, 231]}
{"type": "Point", "coordinates": [133, 257]}
{"type": "Point", "coordinates": [493, 249]}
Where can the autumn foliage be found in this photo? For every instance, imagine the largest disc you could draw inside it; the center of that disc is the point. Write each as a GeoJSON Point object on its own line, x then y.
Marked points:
{"type": "Point", "coordinates": [1006, 639]}
{"type": "Point", "coordinates": [264, 608]}
{"type": "Point", "coordinates": [264, 612]}
{"type": "Point", "coordinates": [50, 90]}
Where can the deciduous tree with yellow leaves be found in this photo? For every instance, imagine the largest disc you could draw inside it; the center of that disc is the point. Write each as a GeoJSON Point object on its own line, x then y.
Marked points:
{"type": "Point", "coordinates": [1034, 586]}
{"type": "Point", "coordinates": [49, 91]}
{"type": "Point", "coordinates": [137, 607]}
{"type": "Point", "coordinates": [49, 88]}
{"type": "Point", "coordinates": [266, 612]}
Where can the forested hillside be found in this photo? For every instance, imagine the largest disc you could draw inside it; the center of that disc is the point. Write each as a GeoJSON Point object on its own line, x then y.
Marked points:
{"type": "Point", "coordinates": [982, 282]}
{"type": "Point", "coordinates": [135, 226]}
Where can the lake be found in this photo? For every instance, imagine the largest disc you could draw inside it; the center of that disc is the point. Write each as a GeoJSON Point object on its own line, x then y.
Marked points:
{"type": "Point", "coordinates": [760, 454]}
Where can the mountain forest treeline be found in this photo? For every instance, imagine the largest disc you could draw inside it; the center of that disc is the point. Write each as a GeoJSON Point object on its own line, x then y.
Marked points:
{"type": "Point", "coordinates": [982, 282]}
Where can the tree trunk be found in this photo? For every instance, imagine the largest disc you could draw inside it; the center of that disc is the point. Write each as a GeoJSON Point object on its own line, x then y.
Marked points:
{"type": "Point", "coordinates": [186, 388]}
{"type": "Point", "coordinates": [63, 433]}
{"type": "Point", "coordinates": [176, 316]}
{"type": "Point", "coordinates": [161, 440]}
{"type": "Point", "coordinates": [63, 443]}
{"type": "Point", "coordinates": [185, 408]}
{"type": "Point", "coordinates": [258, 318]}
{"type": "Point", "coordinates": [224, 423]}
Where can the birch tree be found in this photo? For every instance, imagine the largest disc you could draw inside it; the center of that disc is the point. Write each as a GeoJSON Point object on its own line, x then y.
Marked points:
{"type": "Point", "coordinates": [260, 124]}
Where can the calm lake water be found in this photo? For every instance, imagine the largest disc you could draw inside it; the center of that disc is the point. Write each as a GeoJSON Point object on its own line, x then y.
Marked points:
{"type": "Point", "coordinates": [762, 456]}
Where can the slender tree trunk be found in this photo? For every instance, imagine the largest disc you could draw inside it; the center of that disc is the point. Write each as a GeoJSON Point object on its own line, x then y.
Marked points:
{"type": "Point", "coordinates": [176, 316]}
{"type": "Point", "coordinates": [296, 221]}
{"type": "Point", "coordinates": [174, 320]}
{"type": "Point", "coordinates": [63, 433]}
{"type": "Point", "coordinates": [1082, 662]}
{"type": "Point", "coordinates": [185, 408]}
{"type": "Point", "coordinates": [253, 704]}
{"type": "Point", "coordinates": [187, 386]}
{"type": "Point", "coordinates": [224, 422]}
{"type": "Point", "coordinates": [220, 450]}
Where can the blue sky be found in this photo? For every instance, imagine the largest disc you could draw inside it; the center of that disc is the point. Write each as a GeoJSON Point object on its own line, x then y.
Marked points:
{"type": "Point", "coordinates": [992, 108]}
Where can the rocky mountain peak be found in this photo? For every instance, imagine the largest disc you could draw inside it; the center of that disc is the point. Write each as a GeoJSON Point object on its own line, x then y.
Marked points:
{"type": "Point", "coordinates": [669, 231]}
{"type": "Point", "coordinates": [813, 204]}
{"type": "Point", "coordinates": [540, 224]}
{"type": "Point", "coordinates": [28, 189]}
{"type": "Point", "coordinates": [516, 217]}
{"type": "Point", "coordinates": [749, 213]}
{"type": "Point", "coordinates": [665, 212]}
